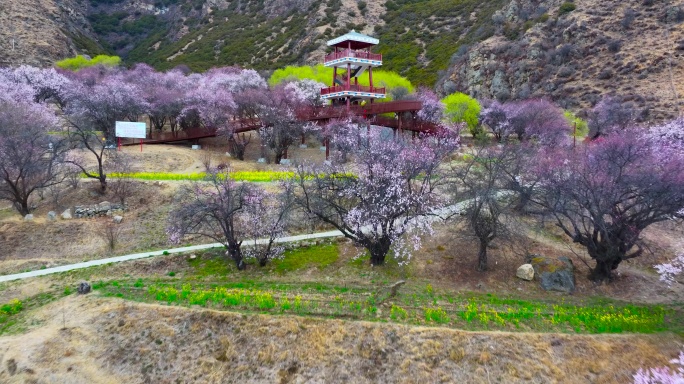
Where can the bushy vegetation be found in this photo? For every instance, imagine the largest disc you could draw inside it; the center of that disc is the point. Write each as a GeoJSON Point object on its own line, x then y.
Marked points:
{"type": "Point", "coordinates": [255, 41]}
{"type": "Point", "coordinates": [79, 62]}
{"type": "Point", "coordinates": [251, 176]}
{"type": "Point", "coordinates": [322, 74]}
{"type": "Point", "coordinates": [461, 108]}
{"type": "Point", "coordinates": [566, 8]}
{"type": "Point", "coordinates": [469, 311]}
{"type": "Point", "coordinates": [444, 26]}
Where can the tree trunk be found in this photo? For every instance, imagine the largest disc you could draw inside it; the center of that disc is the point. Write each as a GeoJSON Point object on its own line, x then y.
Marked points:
{"type": "Point", "coordinates": [235, 253]}
{"type": "Point", "coordinates": [604, 270]}
{"type": "Point", "coordinates": [237, 149]}
{"type": "Point", "coordinates": [103, 184]}
{"type": "Point", "coordinates": [22, 206]}
{"type": "Point", "coordinates": [278, 157]}
{"type": "Point", "coordinates": [378, 250]}
{"type": "Point", "coordinates": [482, 257]}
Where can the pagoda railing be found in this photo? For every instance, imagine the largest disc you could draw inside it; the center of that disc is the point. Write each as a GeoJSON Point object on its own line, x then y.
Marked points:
{"type": "Point", "coordinates": [329, 112]}
{"type": "Point", "coordinates": [352, 87]}
{"type": "Point", "coordinates": [352, 53]}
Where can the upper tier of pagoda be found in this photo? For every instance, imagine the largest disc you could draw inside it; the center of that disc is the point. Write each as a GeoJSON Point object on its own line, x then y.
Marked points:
{"type": "Point", "coordinates": [351, 58]}
{"type": "Point", "coordinates": [353, 48]}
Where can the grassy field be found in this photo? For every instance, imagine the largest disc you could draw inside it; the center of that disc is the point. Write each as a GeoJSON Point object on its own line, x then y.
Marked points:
{"type": "Point", "coordinates": [211, 281]}
{"type": "Point", "coordinates": [319, 299]}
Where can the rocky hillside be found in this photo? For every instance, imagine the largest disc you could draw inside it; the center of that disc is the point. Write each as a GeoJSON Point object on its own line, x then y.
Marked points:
{"type": "Point", "coordinates": [573, 52]}
{"type": "Point", "coordinates": [417, 37]}
{"type": "Point", "coordinates": [577, 52]}
{"type": "Point", "coordinates": [38, 32]}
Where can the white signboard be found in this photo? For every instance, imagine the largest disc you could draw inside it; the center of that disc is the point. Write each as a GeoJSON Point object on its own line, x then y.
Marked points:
{"type": "Point", "coordinates": [131, 129]}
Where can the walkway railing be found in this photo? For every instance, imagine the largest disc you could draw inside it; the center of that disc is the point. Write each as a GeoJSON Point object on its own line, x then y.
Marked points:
{"type": "Point", "coordinates": [352, 88]}
{"type": "Point", "coordinates": [352, 53]}
{"type": "Point", "coordinates": [320, 114]}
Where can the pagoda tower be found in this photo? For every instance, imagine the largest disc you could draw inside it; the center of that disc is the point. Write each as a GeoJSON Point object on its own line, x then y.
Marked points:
{"type": "Point", "coordinates": [351, 58]}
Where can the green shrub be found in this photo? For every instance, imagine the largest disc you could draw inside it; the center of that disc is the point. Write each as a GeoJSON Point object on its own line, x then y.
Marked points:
{"type": "Point", "coordinates": [582, 129]}
{"type": "Point", "coordinates": [437, 315]}
{"type": "Point", "coordinates": [398, 313]}
{"type": "Point", "coordinates": [566, 7]}
{"type": "Point", "coordinates": [461, 108]}
{"type": "Point", "coordinates": [12, 308]}
{"type": "Point", "coordinates": [79, 62]}
{"type": "Point", "coordinates": [320, 73]}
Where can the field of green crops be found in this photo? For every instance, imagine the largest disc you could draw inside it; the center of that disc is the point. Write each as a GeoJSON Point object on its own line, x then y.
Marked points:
{"type": "Point", "coordinates": [251, 176]}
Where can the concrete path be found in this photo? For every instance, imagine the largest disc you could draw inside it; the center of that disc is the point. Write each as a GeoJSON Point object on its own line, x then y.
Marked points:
{"type": "Point", "coordinates": [135, 256]}
{"type": "Point", "coordinates": [437, 214]}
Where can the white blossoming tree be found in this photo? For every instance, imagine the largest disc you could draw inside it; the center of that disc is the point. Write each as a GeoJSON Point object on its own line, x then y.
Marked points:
{"type": "Point", "coordinates": [380, 200]}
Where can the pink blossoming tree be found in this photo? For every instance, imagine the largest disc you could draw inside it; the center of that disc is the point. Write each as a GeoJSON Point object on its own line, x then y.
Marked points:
{"type": "Point", "coordinates": [536, 119]}
{"type": "Point", "coordinates": [92, 110]}
{"type": "Point", "coordinates": [380, 201]}
{"type": "Point", "coordinates": [29, 159]}
{"type": "Point", "coordinates": [606, 193]}
{"type": "Point", "coordinates": [662, 375]}
{"type": "Point", "coordinates": [232, 213]}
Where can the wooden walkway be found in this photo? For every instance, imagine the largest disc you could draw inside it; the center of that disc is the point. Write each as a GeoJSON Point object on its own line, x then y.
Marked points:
{"type": "Point", "coordinates": [372, 112]}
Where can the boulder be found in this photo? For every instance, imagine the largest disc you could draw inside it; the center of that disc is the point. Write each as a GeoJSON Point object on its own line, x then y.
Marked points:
{"type": "Point", "coordinates": [117, 219]}
{"type": "Point", "coordinates": [83, 288]}
{"type": "Point", "coordinates": [28, 217]}
{"type": "Point", "coordinates": [66, 215]}
{"type": "Point", "coordinates": [525, 272]}
{"type": "Point", "coordinates": [104, 206]}
{"type": "Point", "coordinates": [52, 215]}
{"type": "Point", "coordinates": [554, 274]}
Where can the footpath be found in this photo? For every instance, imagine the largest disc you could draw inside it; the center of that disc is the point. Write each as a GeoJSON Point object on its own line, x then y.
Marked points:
{"type": "Point", "coordinates": [136, 256]}
{"type": "Point", "coordinates": [438, 214]}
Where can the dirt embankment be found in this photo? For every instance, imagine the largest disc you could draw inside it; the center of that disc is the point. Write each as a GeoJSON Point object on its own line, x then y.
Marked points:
{"type": "Point", "coordinates": [109, 341]}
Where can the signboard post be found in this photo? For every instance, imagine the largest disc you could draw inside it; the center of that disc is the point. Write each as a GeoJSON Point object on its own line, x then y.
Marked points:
{"type": "Point", "coordinates": [130, 129]}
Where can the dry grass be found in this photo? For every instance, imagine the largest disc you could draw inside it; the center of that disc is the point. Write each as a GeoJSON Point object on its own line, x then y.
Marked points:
{"type": "Point", "coordinates": [150, 343]}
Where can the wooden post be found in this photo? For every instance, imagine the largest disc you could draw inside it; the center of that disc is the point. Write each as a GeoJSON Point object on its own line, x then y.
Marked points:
{"type": "Point", "coordinates": [327, 148]}
{"type": "Point", "coordinates": [370, 77]}
{"type": "Point", "coordinates": [334, 75]}
{"type": "Point", "coordinates": [348, 83]}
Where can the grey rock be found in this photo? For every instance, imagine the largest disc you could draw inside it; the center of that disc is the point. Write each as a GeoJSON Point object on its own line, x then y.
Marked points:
{"type": "Point", "coordinates": [499, 84]}
{"type": "Point", "coordinates": [83, 288]}
{"type": "Point", "coordinates": [525, 272]}
{"type": "Point", "coordinates": [117, 219]}
{"type": "Point", "coordinates": [103, 209]}
{"type": "Point", "coordinates": [28, 217]}
{"type": "Point", "coordinates": [66, 215]}
{"type": "Point", "coordinates": [554, 274]}
{"type": "Point", "coordinates": [52, 215]}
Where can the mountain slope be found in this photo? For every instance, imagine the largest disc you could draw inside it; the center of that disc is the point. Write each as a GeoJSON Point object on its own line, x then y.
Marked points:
{"type": "Point", "coordinates": [628, 48]}
{"type": "Point", "coordinates": [572, 52]}
{"type": "Point", "coordinates": [38, 32]}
